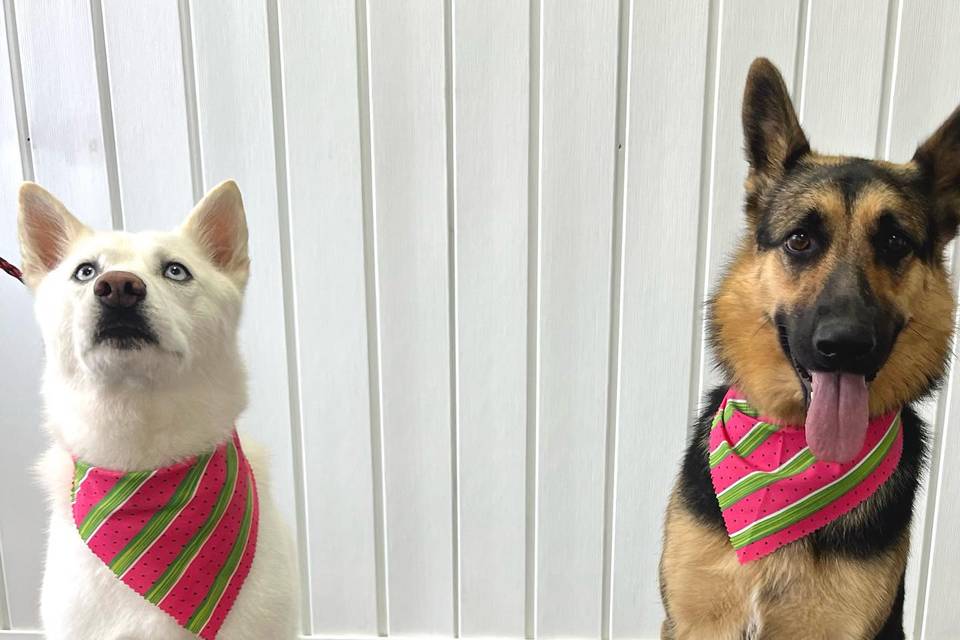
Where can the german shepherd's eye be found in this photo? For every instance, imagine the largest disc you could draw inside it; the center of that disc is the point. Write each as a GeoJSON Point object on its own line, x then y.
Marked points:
{"type": "Point", "coordinates": [895, 247]}
{"type": "Point", "coordinates": [85, 272]}
{"type": "Point", "coordinates": [890, 242]}
{"type": "Point", "coordinates": [176, 272]}
{"type": "Point", "coordinates": [799, 243]}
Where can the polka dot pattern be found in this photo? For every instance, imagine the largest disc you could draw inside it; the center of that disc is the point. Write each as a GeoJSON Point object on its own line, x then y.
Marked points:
{"type": "Point", "coordinates": [781, 492]}
{"type": "Point", "coordinates": [195, 561]}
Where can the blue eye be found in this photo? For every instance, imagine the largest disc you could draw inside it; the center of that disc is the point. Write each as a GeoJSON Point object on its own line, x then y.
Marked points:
{"type": "Point", "coordinates": [176, 271]}
{"type": "Point", "coordinates": [85, 272]}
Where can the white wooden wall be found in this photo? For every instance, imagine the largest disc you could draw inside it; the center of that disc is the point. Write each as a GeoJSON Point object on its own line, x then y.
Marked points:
{"type": "Point", "coordinates": [482, 231]}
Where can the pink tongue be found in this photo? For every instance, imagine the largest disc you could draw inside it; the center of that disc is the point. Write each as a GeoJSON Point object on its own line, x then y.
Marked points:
{"type": "Point", "coordinates": [837, 416]}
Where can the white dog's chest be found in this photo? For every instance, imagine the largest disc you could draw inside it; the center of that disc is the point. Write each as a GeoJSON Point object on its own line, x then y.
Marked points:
{"type": "Point", "coordinates": [77, 586]}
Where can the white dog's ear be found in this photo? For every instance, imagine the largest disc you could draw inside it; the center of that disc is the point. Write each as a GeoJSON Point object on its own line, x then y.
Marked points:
{"type": "Point", "coordinates": [46, 231]}
{"type": "Point", "coordinates": [219, 225]}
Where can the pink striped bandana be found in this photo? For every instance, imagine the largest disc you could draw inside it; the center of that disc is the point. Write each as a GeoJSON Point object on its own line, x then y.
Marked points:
{"type": "Point", "coordinates": [771, 488]}
{"type": "Point", "coordinates": [183, 536]}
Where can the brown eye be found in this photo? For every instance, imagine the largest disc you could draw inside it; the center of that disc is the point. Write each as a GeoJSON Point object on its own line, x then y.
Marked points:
{"type": "Point", "coordinates": [896, 246]}
{"type": "Point", "coordinates": [799, 242]}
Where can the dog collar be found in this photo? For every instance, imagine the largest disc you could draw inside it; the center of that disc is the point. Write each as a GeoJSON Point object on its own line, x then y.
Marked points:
{"type": "Point", "coordinates": [182, 536]}
{"type": "Point", "coordinates": [770, 487]}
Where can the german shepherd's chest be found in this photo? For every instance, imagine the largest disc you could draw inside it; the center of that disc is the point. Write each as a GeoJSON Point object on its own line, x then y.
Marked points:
{"type": "Point", "coordinates": [843, 581]}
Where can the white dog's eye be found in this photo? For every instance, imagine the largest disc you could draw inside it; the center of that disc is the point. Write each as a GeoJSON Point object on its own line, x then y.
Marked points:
{"type": "Point", "coordinates": [85, 272]}
{"type": "Point", "coordinates": [176, 271]}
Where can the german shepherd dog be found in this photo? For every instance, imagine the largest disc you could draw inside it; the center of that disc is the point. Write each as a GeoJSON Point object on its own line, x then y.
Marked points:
{"type": "Point", "coordinates": [839, 282]}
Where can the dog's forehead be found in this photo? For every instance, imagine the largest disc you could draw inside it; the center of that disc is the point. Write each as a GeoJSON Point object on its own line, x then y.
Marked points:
{"type": "Point", "coordinates": [116, 247]}
{"type": "Point", "coordinates": [849, 178]}
{"type": "Point", "coordinates": [848, 194]}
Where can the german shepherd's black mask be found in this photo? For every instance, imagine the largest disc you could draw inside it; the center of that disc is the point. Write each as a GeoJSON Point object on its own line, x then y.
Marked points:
{"type": "Point", "coordinates": [838, 290]}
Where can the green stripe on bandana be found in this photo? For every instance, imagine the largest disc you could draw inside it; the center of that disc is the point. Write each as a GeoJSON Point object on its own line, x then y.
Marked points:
{"type": "Point", "coordinates": [747, 444]}
{"type": "Point", "coordinates": [819, 499]}
{"type": "Point", "coordinates": [175, 571]}
{"type": "Point", "coordinates": [759, 479]}
{"type": "Point", "coordinates": [157, 524]}
{"type": "Point", "coordinates": [202, 615]}
{"type": "Point", "coordinates": [126, 486]}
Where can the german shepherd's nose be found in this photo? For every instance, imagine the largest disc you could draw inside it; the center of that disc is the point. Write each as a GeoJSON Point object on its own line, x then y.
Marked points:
{"type": "Point", "coordinates": [843, 341]}
{"type": "Point", "coordinates": [120, 289]}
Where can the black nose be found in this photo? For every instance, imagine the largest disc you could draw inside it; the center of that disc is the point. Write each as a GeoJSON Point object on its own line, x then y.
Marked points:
{"type": "Point", "coordinates": [844, 341]}
{"type": "Point", "coordinates": [119, 289]}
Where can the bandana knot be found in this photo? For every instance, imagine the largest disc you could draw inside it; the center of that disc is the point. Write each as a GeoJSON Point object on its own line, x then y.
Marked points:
{"type": "Point", "coordinates": [182, 536]}
{"type": "Point", "coordinates": [772, 490]}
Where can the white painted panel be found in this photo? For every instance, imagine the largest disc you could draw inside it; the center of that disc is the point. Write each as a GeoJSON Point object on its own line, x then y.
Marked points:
{"type": "Point", "coordinates": [236, 140]}
{"type": "Point", "coordinates": [63, 105]}
{"type": "Point", "coordinates": [927, 87]}
{"type": "Point", "coordinates": [4, 607]}
{"type": "Point", "coordinates": [925, 91]}
{"type": "Point", "coordinates": [149, 112]}
{"type": "Point", "coordinates": [409, 191]}
{"type": "Point", "coordinates": [937, 617]}
{"type": "Point", "coordinates": [748, 29]}
{"type": "Point", "coordinates": [491, 49]}
{"type": "Point", "coordinates": [843, 76]}
{"type": "Point", "coordinates": [23, 521]}
{"type": "Point", "coordinates": [658, 301]}
{"type": "Point", "coordinates": [58, 66]}
{"type": "Point", "coordinates": [579, 146]}
{"type": "Point", "coordinates": [318, 46]}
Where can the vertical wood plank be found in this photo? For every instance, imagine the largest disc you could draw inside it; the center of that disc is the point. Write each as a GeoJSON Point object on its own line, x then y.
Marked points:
{"type": "Point", "coordinates": [318, 47]}
{"type": "Point", "coordinates": [149, 112]}
{"type": "Point", "coordinates": [748, 28]}
{"type": "Point", "coordinates": [659, 275]}
{"type": "Point", "coordinates": [22, 515]}
{"type": "Point", "coordinates": [843, 76]}
{"type": "Point", "coordinates": [58, 67]}
{"type": "Point", "coordinates": [925, 90]}
{"type": "Point", "coordinates": [491, 70]}
{"type": "Point", "coordinates": [22, 505]}
{"type": "Point", "coordinates": [4, 607]}
{"type": "Point", "coordinates": [409, 191]}
{"type": "Point", "coordinates": [236, 139]}
{"type": "Point", "coordinates": [579, 102]}
{"type": "Point", "coordinates": [936, 616]}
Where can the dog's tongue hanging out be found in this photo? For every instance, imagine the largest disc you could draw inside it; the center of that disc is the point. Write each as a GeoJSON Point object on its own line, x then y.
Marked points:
{"type": "Point", "coordinates": [837, 417]}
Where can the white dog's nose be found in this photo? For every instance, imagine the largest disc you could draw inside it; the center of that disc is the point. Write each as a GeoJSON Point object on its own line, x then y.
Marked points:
{"type": "Point", "coordinates": [120, 289]}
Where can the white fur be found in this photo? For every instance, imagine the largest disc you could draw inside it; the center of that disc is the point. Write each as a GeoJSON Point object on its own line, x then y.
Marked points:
{"type": "Point", "coordinates": [144, 408]}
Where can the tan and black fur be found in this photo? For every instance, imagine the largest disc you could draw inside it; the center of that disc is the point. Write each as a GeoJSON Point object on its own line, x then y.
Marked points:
{"type": "Point", "coordinates": [871, 238]}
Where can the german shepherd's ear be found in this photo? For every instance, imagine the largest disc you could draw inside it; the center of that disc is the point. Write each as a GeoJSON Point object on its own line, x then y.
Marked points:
{"type": "Point", "coordinates": [939, 160]}
{"type": "Point", "coordinates": [772, 135]}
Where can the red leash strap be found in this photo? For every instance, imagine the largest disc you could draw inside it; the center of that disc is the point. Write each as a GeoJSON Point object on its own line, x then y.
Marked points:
{"type": "Point", "coordinates": [11, 269]}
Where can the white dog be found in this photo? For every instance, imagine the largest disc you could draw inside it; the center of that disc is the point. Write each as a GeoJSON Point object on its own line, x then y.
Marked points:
{"type": "Point", "coordinates": [143, 374]}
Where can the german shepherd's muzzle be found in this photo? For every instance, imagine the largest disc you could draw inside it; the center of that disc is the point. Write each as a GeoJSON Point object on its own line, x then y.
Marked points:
{"type": "Point", "coordinates": [835, 312]}
{"type": "Point", "coordinates": [838, 342]}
